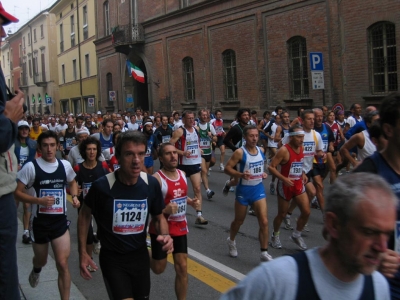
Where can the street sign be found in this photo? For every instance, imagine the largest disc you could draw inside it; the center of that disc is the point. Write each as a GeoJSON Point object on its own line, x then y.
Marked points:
{"type": "Point", "coordinates": [129, 98]}
{"type": "Point", "coordinates": [316, 61]}
{"type": "Point", "coordinates": [91, 102]}
{"type": "Point", "coordinates": [337, 106]}
{"type": "Point", "coordinates": [317, 70]}
{"type": "Point", "coordinates": [112, 95]}
{"type": "Point", "coordinates": [49, 101]}
{"type": "Point", "coordinates": [318, 80]}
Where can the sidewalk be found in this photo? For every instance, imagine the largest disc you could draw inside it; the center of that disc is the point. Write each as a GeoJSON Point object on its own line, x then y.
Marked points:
{"type": "Point", "coordinates": [48, 287]}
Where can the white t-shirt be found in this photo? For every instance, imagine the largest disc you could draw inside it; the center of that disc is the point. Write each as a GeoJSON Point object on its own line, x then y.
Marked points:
{"type": "Point", "coordinates": [352, 121]}
{"type": "Point", "coordinates": [133, 126]}
{"type": "Point", "coordinates": [278, 280]}
{"type": "Point", "coordinates": [271, 142]}
{"type": "Point", "coordinates": [177, 125]}
{"type": "Point", "coordinates": [60, 127]}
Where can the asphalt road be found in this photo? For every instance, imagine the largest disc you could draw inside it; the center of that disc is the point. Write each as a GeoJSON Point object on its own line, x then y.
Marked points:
{"type": "Point", "coordinates": [216, 270]}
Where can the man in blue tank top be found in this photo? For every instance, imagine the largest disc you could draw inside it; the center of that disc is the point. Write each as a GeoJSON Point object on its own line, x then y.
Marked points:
{"type": "Point", "coordinates": [387, 165]}
{"type": "Point", "coordinates": [250, 189]}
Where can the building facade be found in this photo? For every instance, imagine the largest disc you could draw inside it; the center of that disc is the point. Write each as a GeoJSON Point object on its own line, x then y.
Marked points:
{"type": "Point", "coordinates": [256, 54]}
{"type": "Point", "coordinates": [77, 63]}
{"type": "Point", "coordinates": [39, 77]}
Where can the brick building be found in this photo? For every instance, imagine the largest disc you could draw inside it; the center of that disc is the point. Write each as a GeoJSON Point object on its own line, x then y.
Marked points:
{"type": "Point", "coordinates": [246, 53]}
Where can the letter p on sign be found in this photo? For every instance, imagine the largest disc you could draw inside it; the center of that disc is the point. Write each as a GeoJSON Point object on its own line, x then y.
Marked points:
{"type": "Point", "coordinates": [316, 61]}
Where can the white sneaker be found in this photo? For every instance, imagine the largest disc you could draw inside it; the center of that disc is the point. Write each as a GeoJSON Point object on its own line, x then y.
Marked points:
{"type": "Point", "coordinates": [264, 256]}
{"type": "Point", "coordinates": [232, 189]}
{"type": "Point", "coordinates": [209, 172]}
{"type": "Point", "coordinates": [276, 242]}
{"type": "Point", "coordinates": [34, 279]}
{"type": "Point", "coordinates": [299, 242]}
{"type": "Point", "coordinates": [221, 167]}
{"type": "Point", "coordinates": [287, 223]}
{"type": "Point", "coordinates": [232, 247]}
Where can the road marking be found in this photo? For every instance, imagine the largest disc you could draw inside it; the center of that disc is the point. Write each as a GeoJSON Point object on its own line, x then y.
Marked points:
{"type": "Point", "coordinates": [204, 274]}
{"type": "Point", "coordinates": [216, 265]}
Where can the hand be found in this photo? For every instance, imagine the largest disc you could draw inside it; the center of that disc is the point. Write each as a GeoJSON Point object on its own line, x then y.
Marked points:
{"type": "Point", "coordinates": [209, 134]}
{"type": "Point", "coordinates": [331, 148]}
{"type": "Point", "coordinates": [171, 208]}
{"type": "Point", "coordinates": [288, 182]}
{"type": "Point", "coordinates": [246, 175]}
{"type": "Point", "coordinates": [47, 201]}
{"type": "Point", "coordinates": [84, 261]}
{"type": "Point", "coordinates": [390, 263]}
{"type": "Point", "coordinates": [187, 153]}
{"type": "Point", "coordinates": [305, 178]}
{"type": "Point", "coordinates": [264, 175]}
{"type": "Point", "coordinates": [167, 243]}
{"type": "Point", "coordinates": [13, 109]}
{"type": "Point", "coordinates": [79, 190]}
{"type": "Point", "coordinates": [75, 202]}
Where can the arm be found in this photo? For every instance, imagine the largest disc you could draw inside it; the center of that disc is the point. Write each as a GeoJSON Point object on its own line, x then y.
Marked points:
{"type": "Point", "coordinates": [175, 137]}
{"type": "Point", "coordinates": [354, 141]}
{"type": "Point", "coordinates": [24, 197]}
{"type": "Point", "coordinates": [278, 133]}
{"type": "Point", "coordinates": [162, 228]}
{"type": "Point", "coordinates": [282, 156]}
{"type": "Point", "coordinates": [84, 219]}
{"type": "Point", "coordinates": [294, 122]}
{"type": "Point", "coordinates": [228, 139]}
{"type": "Point", "coordinates": [73, 188]}
{"type": "Point", "coordinates": [232, 162]}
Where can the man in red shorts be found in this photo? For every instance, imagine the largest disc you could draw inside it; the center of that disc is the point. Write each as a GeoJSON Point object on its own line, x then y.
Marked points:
{"type": "Point", "coordinates": [290, 185]}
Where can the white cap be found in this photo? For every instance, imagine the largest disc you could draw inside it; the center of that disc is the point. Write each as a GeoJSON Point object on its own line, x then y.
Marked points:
{"type": "Point", "coordinates": [23, 123]}
{"type": "Point", "coordinates": [83, 131]}
{"type": "Point", "coordinates": [99, 112]}
{"type": "Point", "coordinates": [273, 113]}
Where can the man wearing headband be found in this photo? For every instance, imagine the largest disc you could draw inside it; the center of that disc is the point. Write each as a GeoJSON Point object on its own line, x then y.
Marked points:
{"type": "Point", "coordinates": [250, 189]}
{"type": "Point", "coordinates": [291, 185]}
{"type": "Point", "coordinates": [10, 113]}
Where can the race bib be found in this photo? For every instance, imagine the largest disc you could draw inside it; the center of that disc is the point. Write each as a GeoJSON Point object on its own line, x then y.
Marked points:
{"type": "Point", "coordinates": [309, 148]}
{"type": "Point", "coordinates": [22, 159]}
{"type": "Point", "coordinates": [256, 170]}
{"type": "Point", "coordinates": [296, 170]}
{"type": "Point", "coordinates": [325, 149]}
{"type": "Point", "coordinates": [68, 143]}
{"type": "Point", "coordinates": [181, 213]}
{"type": "Point", "coordinates": [115, 167]}
{"type": "Point", "coordinates": [58, 207]}
{"type": "Point", "coordinates": [205, 143]}
{"type": "Point", "coordinates": [194, 151]}
{"type": "Point", "coordinates": [85, 188]}
{"type": "Point", "coordinates": [166, 138]}
{"type": "Point", "coordinates": [148, 152]}
{"type": "Point", "coordinates": [219, 130]}
{"type": "Point", "coordinates": [129, 216]}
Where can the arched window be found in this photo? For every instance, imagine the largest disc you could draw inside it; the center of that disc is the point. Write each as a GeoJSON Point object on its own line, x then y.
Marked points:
{"type": "Point", "coordinates": [230, 82]}
{"type": "Point", "coordinates": [382, 57]}
{"type": "Point", "coordinates": [188, 79]}
{"type": "Point", "coordinates": [107, 28]}
{"type": "Point", "coordinates": [298, 71]}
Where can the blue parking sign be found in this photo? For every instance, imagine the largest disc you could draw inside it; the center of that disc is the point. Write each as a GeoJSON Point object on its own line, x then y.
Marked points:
{"type": "Point", "coordinates": [316, 61]}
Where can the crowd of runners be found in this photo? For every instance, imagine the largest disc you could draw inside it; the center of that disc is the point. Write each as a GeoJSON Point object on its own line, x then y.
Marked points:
{"type": "Point", "coordinates": [105, 162]}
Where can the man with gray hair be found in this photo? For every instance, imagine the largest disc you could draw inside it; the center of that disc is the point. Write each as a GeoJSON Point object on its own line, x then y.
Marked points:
{"type": "Point", "coordinates": [360, 214]}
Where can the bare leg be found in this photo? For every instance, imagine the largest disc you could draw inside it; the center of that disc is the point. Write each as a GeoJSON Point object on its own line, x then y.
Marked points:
{"type": "Point", "coordinates": [61, 248]}
{"type": "Point", "coordinates": [240, 215]}
{"type": "Point", "coordinates": [181, 277]}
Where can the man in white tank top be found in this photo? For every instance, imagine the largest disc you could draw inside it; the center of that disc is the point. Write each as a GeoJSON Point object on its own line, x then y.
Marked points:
{"type": "Point", "coordinates": [187, 142]}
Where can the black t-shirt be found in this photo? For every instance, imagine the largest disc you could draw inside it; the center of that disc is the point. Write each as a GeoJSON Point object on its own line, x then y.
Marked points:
{"type": "Point", "coordinates": [85, 177]}
{"type": "Point", "coordinates": [122, 211]}
{"type": "Point", "coordinates": [160, 132]}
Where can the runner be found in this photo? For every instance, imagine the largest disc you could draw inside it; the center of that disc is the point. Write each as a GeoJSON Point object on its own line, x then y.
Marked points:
{"type": "Point", "coordinates": [163, 132]}
{"type": "Point", "coordinates": [36, 129]}
{"type": "Point", "coordinates": [86, 173]}
{"type": "Point", "coordinates": [338, 136]}
{"type": "Point", "coordinates": [105, 137]}
{"type": "Point", "coordinates": [291, 185]}
{"type": "Point", "coordinates": [152, 145]}
{"type": "Point", "coordinates": [218, 125]}
{"type": "Point", "coordinates": [133, 125]}
{"type": "Point", "coordinates": [48, 175]}
{"type": "Point", "coordinates": [250, 190]}
{"type": "Point", "coordinates": [282, 129]}
{"type": "Point", "coordinates": [68, 137]}
{"type": "Point", "coordinates": [187, 141]}
{"type": "Point", "coordinates": [234, 140]}
{"type": "Point", "coordinates": [261, 125]}
{"type": "Point", "coordinates": [120, 203]}
{"type": "Point", "coordinates": [74, 156]}
{"type": "Point", "coordinates": [174, 190]}
{"type": "Point", "coordinates": [207, 135]}
{"type": "Point", "coordinates": [25, 151]}
{"type": "Point", "coordinates": [272, 147]}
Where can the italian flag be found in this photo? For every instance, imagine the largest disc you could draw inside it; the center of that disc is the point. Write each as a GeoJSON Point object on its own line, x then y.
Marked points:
{"type": "Point", "coordinates": [135, 71]}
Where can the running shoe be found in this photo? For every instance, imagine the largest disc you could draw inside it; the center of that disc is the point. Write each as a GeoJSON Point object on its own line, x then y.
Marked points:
{"type": "Point", "coordinates": [209, 172]}
{"type": "Point", "coordinates": [299, 242]}
{"type": "Point", "coordinates": [232, 247]}
{"type": "Point", "coordinates": [26, 238]}
{"type": "Point", "coordinates": [225, 190]}
{"type": "Point", "coordinates": [232, 189]}
{"type": "Point", "coordinates": [272, 188]}
{"type": "Point", "coordinates": [210, 194]}
{"type": "Point", "coordinates": [287, 223]}
{"type": "Point", "coordinates": [314, 203]}
{"type": "Point", "coordinates": [264, 256]}
{"type": "Point", "coordinates": [221, 167]}
{"type": "Point", "coordinates": [201, 221]}
{"type": "Point", "coordinates": [276, 242]}
{"type": "Point", "coordinates": [34, 279]}
{"type": "Point", "coordinates": [96, 248]}
{"type": "Point", "coordinates": [252, 212]}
